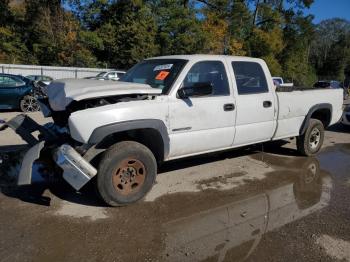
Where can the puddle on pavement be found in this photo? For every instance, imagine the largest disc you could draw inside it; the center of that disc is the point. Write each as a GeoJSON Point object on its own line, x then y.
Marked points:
{"type": "Point", "coordinates": [190, 215]}
{"type": "Point", "coordinates": [230, 230]}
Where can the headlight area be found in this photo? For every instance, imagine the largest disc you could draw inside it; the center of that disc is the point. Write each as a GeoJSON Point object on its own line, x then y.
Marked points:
{"type": "Point", "coordinates": [74, 133]}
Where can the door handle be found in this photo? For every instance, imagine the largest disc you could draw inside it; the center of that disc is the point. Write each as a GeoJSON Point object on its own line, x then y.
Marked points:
{"type": "Point", "coordinates": [229, 107]}
{"type": "Point", "coordinates": [267, 103]}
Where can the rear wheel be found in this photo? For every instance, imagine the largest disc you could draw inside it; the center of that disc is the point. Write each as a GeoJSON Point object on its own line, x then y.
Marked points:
{"type": "Point", "coordinates": [309, 143]}
{"type": "Point", "coordinates": [29, 104]}
{"type": "Point", "coordinates": [126, 173]}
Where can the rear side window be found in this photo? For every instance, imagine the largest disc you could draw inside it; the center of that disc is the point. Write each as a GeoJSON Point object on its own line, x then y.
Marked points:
{"type": "Point", "coordinates": [209, 71]}
{"type": "Point", "coordinates": [250, 78]}
{"type": "Point", "coordinates": [6, 81]}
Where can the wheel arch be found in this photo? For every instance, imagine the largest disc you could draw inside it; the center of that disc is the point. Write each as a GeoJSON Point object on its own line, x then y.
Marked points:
{"type": "Point", "coordinates": [20, 97]}
{"type": "Point", "coordinates": [322, 112]}
{"type": "Point", "coordinates": [150, 132]}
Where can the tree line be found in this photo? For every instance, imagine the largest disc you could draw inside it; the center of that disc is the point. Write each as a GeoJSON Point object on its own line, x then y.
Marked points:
{"type": "Point", "coordinates": [119, 33]}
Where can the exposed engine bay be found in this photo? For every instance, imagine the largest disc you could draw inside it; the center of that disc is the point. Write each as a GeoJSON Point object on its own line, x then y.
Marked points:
{"type": "Point", "coordinates": [54, 143]}
{"type": "Point", "coordinates": [63, 97]}
{"type": "Point", "coordinates": [60, 118]}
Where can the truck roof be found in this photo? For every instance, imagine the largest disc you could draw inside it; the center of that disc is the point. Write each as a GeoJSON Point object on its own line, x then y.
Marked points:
{"type": "Point", "coordinates": [205, 56]}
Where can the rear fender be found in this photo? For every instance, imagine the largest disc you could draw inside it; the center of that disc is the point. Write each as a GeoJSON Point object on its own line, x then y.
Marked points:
{"type": "Point", "coordinates": [312, 110]}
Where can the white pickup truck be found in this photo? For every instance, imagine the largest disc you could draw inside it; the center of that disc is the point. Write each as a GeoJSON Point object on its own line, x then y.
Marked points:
{"type": "Point", "coordinates": [167, 108]}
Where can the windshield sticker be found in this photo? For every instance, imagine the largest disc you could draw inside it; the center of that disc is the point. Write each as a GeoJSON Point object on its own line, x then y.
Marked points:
{"type": "Point", "coordinates": [163, 67]}
{"type": "Point", "coordinates": [162, 75]}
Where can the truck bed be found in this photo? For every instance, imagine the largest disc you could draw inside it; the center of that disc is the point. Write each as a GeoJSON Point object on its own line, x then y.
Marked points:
{"type": "Point", "coordinates": [295, 104]}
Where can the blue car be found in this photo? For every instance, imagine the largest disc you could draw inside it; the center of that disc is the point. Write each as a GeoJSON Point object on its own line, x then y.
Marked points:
{"type": "Point", "coordinates": [17, 92]}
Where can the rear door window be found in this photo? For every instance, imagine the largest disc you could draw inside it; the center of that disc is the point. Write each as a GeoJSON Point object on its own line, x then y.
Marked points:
{"type": "Point", "coordinates": [250, 78]}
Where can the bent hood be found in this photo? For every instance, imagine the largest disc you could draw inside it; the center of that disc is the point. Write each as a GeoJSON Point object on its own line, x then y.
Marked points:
{"type": "Point", "coordinates": [62, 92]}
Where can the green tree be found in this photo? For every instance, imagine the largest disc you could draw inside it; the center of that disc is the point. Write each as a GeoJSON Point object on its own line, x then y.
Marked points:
{"type": "Point", "coordinates": [179, 31]}
{"type": "Point", "coordinates": [12, 48]}
{"type": "Point", "coordinates": [53, 35]}
{"type": "Point", "coordinates": [298, 34]}
{"type": "Point", "coordinates": [330, 48]}
{"type": "Point", "coordinates": [226, 24]}
{"type": "Point", "coordinates": [128, 31]}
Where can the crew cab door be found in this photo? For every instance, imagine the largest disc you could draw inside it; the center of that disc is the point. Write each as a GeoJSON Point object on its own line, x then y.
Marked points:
{"type": "Point", "coordinates": [205, 123]}
{"type": "Point", "coordinates": [255, 102]}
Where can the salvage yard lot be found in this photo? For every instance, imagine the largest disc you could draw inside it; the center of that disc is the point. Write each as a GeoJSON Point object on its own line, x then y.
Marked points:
{"type": "Point", "coordinates": [261, 203]}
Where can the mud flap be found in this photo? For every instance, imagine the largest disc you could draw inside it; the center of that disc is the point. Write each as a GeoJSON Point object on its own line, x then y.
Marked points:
{"type": "Point", "coordinates": [25, 174]}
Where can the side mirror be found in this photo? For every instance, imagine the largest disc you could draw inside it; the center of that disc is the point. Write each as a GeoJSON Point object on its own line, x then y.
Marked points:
{"type": "Point", "coordinates": [197, 90]}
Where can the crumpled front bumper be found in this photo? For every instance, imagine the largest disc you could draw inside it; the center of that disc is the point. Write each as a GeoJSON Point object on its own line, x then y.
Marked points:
{"type": "Point", "coordinates": [76, 170]}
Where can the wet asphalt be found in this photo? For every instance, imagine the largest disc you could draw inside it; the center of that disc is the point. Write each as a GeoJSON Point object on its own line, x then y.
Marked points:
{"type": "Point", "coordinates": [263, 203]}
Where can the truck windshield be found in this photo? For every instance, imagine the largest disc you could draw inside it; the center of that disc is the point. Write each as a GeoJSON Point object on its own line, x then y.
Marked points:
{"type": "Point", "coordinates": [158, 73]}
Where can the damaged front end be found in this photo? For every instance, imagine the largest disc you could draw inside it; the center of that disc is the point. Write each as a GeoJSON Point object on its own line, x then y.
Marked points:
{"type": "Point", "coordinates": [54, 143]}
{"type": "Point", "coordinates": [52, 146]}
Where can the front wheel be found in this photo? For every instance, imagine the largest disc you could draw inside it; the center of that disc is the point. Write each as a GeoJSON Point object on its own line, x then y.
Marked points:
{"type": "Point", "coordinates": [126, 173]}
{"type": "Point", "coordinates": [309, 143]}
{"type": "Point", "coordinates": [29, 104]}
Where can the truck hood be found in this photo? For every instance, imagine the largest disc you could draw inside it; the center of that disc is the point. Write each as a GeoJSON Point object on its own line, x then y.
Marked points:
{"type": "Point", "coordinates": [62, 92]}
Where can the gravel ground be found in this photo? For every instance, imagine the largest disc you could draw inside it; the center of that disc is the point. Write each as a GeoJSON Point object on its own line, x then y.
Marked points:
{"type": "Point", "coordinates": [263, 203]}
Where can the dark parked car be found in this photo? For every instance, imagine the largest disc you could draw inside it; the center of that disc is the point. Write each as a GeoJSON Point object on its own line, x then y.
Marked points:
{"type": "Point", "coordinates": [327, 84]}
{"type": "Point", "coordinates": [333, 84]}
{"type": "Point", "coordinates": [17, 92]}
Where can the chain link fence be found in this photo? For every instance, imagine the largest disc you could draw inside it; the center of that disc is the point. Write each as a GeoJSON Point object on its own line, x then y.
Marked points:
{"type": "Point", "coordinates": [53, 71]}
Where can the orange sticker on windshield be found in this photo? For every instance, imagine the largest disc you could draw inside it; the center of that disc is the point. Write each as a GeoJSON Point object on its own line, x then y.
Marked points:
{"type": "Point", "coordinates": [162, 75]}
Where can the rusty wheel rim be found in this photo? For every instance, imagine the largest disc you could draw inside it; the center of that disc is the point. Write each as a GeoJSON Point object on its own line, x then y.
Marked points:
{"type": "Point", "coordinates": [129, 176]}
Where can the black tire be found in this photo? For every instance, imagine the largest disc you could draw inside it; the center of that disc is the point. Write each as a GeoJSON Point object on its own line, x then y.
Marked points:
{"type": "Point", "coordinates": [29, 104]}
{"type": "Point", "coordinates": [126, 173]}
{"type": "Point", "coordinates": [306, 143]}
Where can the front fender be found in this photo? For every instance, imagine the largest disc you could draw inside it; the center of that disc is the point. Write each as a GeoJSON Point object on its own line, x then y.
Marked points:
{"type": "Point", "coordinates": [101, 132]}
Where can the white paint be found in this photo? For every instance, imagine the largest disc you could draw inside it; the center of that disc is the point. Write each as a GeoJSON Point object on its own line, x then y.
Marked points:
{"type": "Point", "coordinates": [81, 211]}
{"type": "Point", "coordinates": [294, 106]}
{"type": "Point", "coordinates": [204, 125]}
{"type": "Point", "coordinates": [334, 247]}
{"type": "Point", "coordinates": [62, 92]}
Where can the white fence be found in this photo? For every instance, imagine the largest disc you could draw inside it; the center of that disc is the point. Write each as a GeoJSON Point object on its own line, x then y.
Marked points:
{"type": "Point", "coordinates": [55, 72]}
